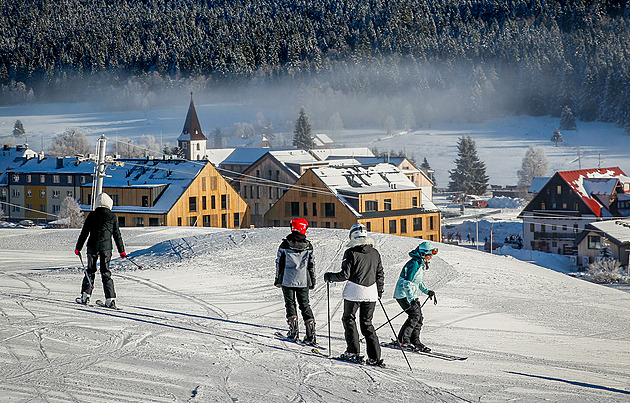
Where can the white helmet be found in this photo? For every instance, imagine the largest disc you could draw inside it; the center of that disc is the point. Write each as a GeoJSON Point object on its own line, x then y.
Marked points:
{"type": "Point", "coordinates": [358, 231]}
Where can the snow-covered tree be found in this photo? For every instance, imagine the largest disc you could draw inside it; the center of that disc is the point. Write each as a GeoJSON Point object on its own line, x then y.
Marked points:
{"type": "Point", "coordinates": [605, 271]}
{"type": "Point", "coordinates": [567, 120]}
{"type": "Point", "coordinates": [469, 175]}
{"type": "Point", "coordinates": [556, 137]}
{"type": "Point", "coordinates": [302, 134]}
{"type": "Point", "coordinates": [18, 129]}
{"type": "Point", "coordinates": [427, 169]}
{"type": "Point", "coordinates": [71, 212]}
{"type": "Point", "coordinates": [69, 143]}
{"type": "Point", "coordinates": [534, 164]}
{"type": "Point", "coordinates": [126, 148]}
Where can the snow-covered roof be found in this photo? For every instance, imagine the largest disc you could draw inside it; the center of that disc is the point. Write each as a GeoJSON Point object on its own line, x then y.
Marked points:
{"type": "Point", "coordinates": [54, 165]}
{"type": "Point", "coordinates": [615, 230]}
{"type": "Point", "coordinates": [218, 155]}
{"type": "Point", "coordinates": [364, 179]}
{"type": "Point", "coordinates": [325, 153]}
{"type": "Point", "coordinates": [321, 139]}
{"type": "Point", "coordinates": [294, 156]}
{"type": "Point", "coordinates": [11, 157]}
{"type": "Point", "coordinates": [175, 175]}
{"type": "Point", "coordinates": [249, 142]}
{"type": "Point", "coordinates": [245, 156]}
{"type": "Point", "coordinates": [588, 183]}
{"type": "Point", "coordinates": [538, 183]}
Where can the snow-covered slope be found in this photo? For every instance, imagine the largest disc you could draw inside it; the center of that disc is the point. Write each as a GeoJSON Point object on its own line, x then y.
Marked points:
{"type": "Point", "coordinates": [198, 324]}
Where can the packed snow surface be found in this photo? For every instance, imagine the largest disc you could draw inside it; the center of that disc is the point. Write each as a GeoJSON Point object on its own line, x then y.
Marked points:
{"type": "Point", "coordinates": [198, 324]}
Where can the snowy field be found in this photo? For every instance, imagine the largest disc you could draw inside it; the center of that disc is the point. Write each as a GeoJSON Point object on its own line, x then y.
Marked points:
{"type": "Point", "coordinates": [501, 143]}
{"type": "Point", "coordinates": [198, 321]}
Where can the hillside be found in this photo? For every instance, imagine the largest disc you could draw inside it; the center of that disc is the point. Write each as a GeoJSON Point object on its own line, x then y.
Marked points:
{"type": "Point", "coordinates": [199, 318]}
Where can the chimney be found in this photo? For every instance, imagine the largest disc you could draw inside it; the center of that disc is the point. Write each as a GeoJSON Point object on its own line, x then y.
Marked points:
{"type": "Point", "coordinates": [59, 162]}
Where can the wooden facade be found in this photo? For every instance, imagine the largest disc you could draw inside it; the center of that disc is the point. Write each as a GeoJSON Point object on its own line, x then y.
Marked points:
{"type": "Point", "coordinates": [396, 211]}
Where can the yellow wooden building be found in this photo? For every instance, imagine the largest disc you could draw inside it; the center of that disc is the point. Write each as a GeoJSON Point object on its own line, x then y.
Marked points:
{"type": "Point", "coordinates": [380, 196]}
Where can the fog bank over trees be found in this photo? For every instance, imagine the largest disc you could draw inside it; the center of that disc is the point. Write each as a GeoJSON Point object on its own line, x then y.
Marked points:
{"type": "Point", "coordinates": [416, 61]}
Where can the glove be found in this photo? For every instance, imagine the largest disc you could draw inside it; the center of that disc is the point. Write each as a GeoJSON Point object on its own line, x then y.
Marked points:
{"type": "Point", "coordinates": [433, 297]}
{"type": "Point", "coordinates": [77, 252]}
{"type": "Point", "coordinates": [327, 277]}
{"type": "Point", "coordinates": [123, 255]}
{"type": "Point", "coordinates": [311, 287]}
{"type": "Point", "coordinates": [277, 283]}
{"type": "Point", "coordinates": [380, 294]}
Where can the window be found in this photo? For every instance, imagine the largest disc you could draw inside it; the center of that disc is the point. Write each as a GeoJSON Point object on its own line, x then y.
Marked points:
{"type": "Point", "coordinates": [69, 179]}
{"type": "Point", "coordinates": [575, 228]}
{"type": "Point", "coordinates": [28, 193]}
{"type": "Point", "coordinates": [388, 204]}
{"type": "Point", "coordinates": [214, 183]}
{"type": "Point", "coordinates": [115, 200]}
{"type": "Point", "coordinates": [42, 193]}
{"type": "Point", "coordinates": [553, 227]}
{"type": "Point", "coordinates": [329, 209]}
{"type": "Point", "coordinates": [559, 189]}
{"type": "Point", "coordinates": [392, 226]}
{"type": "Point", "coordinates": [179, 221]}
{"type": "Point", "coordinates": [28, 178]}
{"type": "Point", "coordinates": [224, 202]}
{"type": "Point", "coordinates": [198, 147]}
{"type": "Point", "coordinates": [224, 220]}
{"type": "Point", "coordinates": [82, 179]}
{"type": "Point", "coordinates": [184, 145]}
{"type": "Point", "coordinates": [56, 194]}
{"type": "Point", "coordinates": [69, 193]}
{"type": "Point", "coordinates": [42, 208]}
{"type": "Point", "coordinates": [15, 193]}
{"type": "Point", "coordinates": [154, 222]}
{"type": "Point", "coordinates": [403, 226]}
{"type": "Point", "coordinates": [543, 228]}
{"type": "Point", "coordinates": [16, 207]}
{"type": "Point", "coordinates": [270, 192]}
{"type": "Point", "coordinates": [203, 183]}
{"type": "Point", "coordinates": [237, 220]}
{"type": "Point", "coordinates": [305, 208]}
{"type": "Point", "coordinates": [564, 206]}
{"type": "Point", "coordinates": [121, 221]}
{"type": "Point", "coordinates": [431, 223]}
{"type": "Point", "coordinates": [295, 209]}
{"type": "Point", "coordinates": [314, 209]}
{"type": "Point", "coordinates": [145, 201]}
{"type": "Point", "coordinates": [213, 202]}
{"type": "Point", "coordinates": [417, 224]}
{"type": "Point", "coordinates": [204, 203]}
{"type": "Point", "coordinates": [257, 208]}
{"type": "Point", "coordinates": [258, 192]}
{"type": "Point", "coordinates": [192, 204]}
{"type": "Point", "coordinates": [368, 226]}
{"type": "Point", "coordinates": [313, 224]}
{"type": "Point", "coordinates": [414, 201]}
{"type": "Point", "coordinates": [206, 220]}
{"type": "Point", "coordinates": [16, 178]}
{"type": "Point", "coordinates": [594, 242]}
{"type": "Point", "coordinates": [327, 224]}
{"type": "Point", "coordinates": [56, 208]}
{"type": "Point", "coordinates": [542, 205]}
{"type": "Point", "coordinates": [42, 178]}
{"type": "Point", "coordinates": [192, 221]}
{"type": "Point", "coordinates": [532, 227]}
{"type": "Point", "coordinates": [371, 205]}
{"type": "Point", "coordinates": [56, 179]}
{"type": "Point", "coordinates": [139, 221]}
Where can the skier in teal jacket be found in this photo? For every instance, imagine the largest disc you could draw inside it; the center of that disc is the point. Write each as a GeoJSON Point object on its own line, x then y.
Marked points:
{"type": "Point", "coordinates": [408, 287]}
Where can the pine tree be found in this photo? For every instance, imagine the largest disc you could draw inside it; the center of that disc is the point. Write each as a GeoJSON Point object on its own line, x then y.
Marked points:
{"type": "Point", "coordinates": [302, 133]}
{"type": "Point", "coordinates": [427, 169]}
{"type": "Point", "coordinates": [567, 120]}
{"type": "Point", "coordinates": [18, 129]}
{"type": "Point", "coordinates": [556, 137]}
{"type": "Point", "coordinates": [535, 164]}
{"type": "Point", "coordinates": [469, 175]}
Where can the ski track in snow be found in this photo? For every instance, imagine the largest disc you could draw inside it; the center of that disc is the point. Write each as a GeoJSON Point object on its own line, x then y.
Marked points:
{"type": "Point", "coordinates": [198, 324]}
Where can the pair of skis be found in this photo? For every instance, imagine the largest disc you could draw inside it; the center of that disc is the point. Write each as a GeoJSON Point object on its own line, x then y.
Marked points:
{"type": "Point", "coordinates": [448, 357]}
{"type": "Point", "coordinates": [98, 302]}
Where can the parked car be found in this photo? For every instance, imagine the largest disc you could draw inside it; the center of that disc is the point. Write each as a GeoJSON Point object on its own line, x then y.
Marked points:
{"type": "Point", "coordinates": [27, 223]}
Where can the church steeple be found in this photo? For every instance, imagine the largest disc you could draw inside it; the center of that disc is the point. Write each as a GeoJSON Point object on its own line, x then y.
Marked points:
{"type": "Point", "coordinates": [192, 128]}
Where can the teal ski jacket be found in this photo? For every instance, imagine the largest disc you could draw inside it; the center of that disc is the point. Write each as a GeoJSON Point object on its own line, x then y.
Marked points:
{"type": "Point", "coordinates": [411, 278]}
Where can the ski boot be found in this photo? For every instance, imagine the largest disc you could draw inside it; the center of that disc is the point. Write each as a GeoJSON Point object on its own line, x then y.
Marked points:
{"type": "Point", "coordinates": [352, 357]}
{"type": "Point", "coordinates": [310, 338]}
{"type": "Point", "coordinates": [110, 303]}
{"type": "Point", "coordinates": [421, 348]}
{"type": "Point", "coordinates": [294, 332]}
{"type": "Point", "coordinates": [84, 298]}
{"type": "Point", "coordinates": [375, 363]}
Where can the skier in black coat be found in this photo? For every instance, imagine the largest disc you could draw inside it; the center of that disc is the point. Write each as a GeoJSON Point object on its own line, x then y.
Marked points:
{"type": "Point", "coordinates": [101, 225]}
{"type": "Point", "coordinates": [295, 273]}
{"type": "Point", "coordinates": [363, 270]}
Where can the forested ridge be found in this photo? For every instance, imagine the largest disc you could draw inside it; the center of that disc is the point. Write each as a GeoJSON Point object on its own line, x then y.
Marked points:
{"type": "Point", "coordinates": [545, 54]}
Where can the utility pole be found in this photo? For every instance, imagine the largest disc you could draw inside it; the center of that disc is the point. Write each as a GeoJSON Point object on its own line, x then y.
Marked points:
{"type": "Point", "coordinates": [101, 161]}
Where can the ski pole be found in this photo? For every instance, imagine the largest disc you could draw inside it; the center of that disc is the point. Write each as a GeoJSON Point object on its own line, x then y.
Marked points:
{"type": "Point", "coordinates": [394, 332]}
{"type": "Point", "coordinates": [328, 297]}
{"type": "Point", "coordinates": [86, 273]}
{"type": "Point", "coordinates": [137, 265]}
{"type": "Point", "coordinates": [397, 315]}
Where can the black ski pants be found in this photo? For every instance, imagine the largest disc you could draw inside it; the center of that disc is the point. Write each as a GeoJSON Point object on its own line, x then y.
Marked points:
{"type": "Point", "coordinates": [410, 330]}
{"type": "Point", "coordinates": [106, 275]}
{"type": "Point", "coordinates": [301, 294]}
{"type": "Point", "coordinates": [366, 312]}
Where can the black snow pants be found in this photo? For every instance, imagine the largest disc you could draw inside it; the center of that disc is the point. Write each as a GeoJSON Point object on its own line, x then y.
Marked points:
{"type": "Point", "coordinates": [301, 294]}
{"type": "Point", "coordinates": [410, 330]}
{"type": "Point", "coordinates": [366, 311]}
{"type": "Point", "coordinates": [106, 275]}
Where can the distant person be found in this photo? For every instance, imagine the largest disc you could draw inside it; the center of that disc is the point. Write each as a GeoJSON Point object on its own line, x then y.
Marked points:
{"type": "Point", "coordinates": [410, 283]}
{"type": "Point", "coordinates": [101, 225]}
{"type": "Point", "coordinates": [362, 268]}
{"type": "Point", "coordinates": [295, 274]}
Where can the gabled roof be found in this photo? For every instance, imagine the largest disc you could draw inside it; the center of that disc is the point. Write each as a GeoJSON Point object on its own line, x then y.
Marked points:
{"type": "Point", "coordinates": [321, 139]}
{"type": "Point", "coordinates": [11, 157]}
{"type": "Point", "coordinates": [245, 156]}
{"type": "Point", "coordinates": [192, 128]}
{"type": "Point", "coordinates": [363, 178]}
{"type": "Point", "coordinates": [326, 153]}
{"type": "Point", "coordinates": [589, 183]}
{"type": "Point", "coordinates": [218, 155]}
{"type": "Point", "coordinates": [54, 165]}
{"type": "Point", "coordinates": [176, 175]}
{"type": "Point", "coordinates": [617, 231]}
{"type": "Point", "coordinates": [538, 183]}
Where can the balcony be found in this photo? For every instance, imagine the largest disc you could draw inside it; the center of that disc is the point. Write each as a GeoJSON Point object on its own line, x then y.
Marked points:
{"type": "Point", "coordinates": [555, 235]}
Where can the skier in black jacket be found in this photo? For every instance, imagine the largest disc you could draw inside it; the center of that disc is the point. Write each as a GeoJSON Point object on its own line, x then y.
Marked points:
{"type": "Point", "coordinates": [363, 270]}
{"type": "Point", "coordinates": [295, 273]}
{"type": "Point", "coordinates": [101, 225]}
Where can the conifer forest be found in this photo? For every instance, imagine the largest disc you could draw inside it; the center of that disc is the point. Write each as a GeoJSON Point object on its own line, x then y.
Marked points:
{"type": "Point", "coordinates": [532, 57]}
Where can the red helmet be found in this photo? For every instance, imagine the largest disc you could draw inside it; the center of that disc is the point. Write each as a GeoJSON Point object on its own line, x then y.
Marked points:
{"type": "Point", "coordinates": [300, 225]}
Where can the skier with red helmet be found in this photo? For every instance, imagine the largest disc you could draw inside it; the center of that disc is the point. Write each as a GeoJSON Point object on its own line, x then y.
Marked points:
{"type": "Point", "coordinates": [295, 274]}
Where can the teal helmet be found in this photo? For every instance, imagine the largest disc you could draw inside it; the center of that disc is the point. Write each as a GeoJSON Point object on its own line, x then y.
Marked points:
{"type": "Point", "coordinates": [427, 248]}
